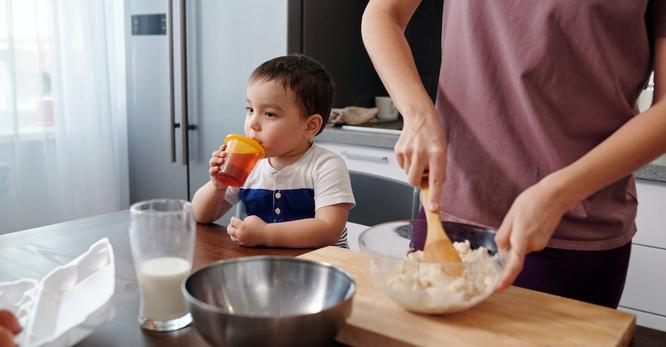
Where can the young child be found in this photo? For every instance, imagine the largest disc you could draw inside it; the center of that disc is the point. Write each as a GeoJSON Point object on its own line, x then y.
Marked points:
{"type": "Point", "coordinates": [298, 196]}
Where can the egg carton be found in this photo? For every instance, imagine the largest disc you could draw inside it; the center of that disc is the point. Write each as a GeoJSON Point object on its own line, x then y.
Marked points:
{"type": "Point", "coordinates": [68, 304]}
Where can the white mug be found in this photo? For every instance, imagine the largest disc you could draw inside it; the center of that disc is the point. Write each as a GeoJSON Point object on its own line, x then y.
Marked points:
{"type": "Point", "coordinates": [386, 108]}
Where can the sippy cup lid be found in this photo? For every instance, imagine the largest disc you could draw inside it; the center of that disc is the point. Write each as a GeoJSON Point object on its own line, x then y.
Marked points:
{"type": "Point", "coordinates": [250, 141]}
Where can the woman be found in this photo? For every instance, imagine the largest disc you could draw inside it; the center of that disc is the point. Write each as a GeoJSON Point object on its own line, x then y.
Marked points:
{"type": "Point", "coordinates": [535, 129]}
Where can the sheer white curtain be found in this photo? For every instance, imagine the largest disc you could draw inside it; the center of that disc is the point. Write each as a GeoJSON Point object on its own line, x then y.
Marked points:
{"type": "Point", "coordinates": [63, 142]}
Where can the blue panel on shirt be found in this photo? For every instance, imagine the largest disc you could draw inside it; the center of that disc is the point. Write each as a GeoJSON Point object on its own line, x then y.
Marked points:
{"type": "Point", "coordinates": [294, 204]}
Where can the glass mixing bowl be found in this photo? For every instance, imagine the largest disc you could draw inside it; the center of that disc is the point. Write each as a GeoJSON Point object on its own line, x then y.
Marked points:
{"type": "Point", "coordinates": [392, 250]}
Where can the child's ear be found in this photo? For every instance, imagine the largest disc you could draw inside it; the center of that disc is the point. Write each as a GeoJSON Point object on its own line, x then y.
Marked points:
{"type": "Point", "coordinates": [313, 124]}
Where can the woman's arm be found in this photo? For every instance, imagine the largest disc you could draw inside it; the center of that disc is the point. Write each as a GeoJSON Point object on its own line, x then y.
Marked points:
{"type": "Point", "coordinates": [322, 230]}
{"type": "Point", "coordinates": [422, 144]}
{"type": "Point", "coordinates": [537, 211]}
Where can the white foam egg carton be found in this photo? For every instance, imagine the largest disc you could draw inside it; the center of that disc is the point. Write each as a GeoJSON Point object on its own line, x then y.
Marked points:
{"type": "Point", "coordinates": [68, 304]}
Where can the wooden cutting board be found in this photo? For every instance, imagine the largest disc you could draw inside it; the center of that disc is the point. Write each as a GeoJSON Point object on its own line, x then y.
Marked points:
{"type": "Point", "coordinates": [515, 317]}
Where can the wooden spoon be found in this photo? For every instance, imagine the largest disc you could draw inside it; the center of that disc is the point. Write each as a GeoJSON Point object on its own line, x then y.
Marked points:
{"type": "Point", "coordinates": [438, 247]}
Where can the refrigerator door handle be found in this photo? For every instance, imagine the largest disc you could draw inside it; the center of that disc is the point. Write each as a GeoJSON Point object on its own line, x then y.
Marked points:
{"type": "Point", "coordinates": [172, 104]}
{"type": "Point", "coordinates": [184, 122]}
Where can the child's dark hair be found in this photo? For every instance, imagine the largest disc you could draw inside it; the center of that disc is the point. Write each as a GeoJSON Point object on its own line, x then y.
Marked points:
{"type": "Point", "coordinates": [307, 79]}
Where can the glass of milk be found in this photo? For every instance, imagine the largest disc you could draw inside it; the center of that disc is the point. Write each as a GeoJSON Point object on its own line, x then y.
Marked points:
{"type": "Point", "coordinates": [162, 234]}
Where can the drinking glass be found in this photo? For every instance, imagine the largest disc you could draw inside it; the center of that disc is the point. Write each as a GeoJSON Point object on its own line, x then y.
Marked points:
{"type": "Point", "coordinates": [162, 234]}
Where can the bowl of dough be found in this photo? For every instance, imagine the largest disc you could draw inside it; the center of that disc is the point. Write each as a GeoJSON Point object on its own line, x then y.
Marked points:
{"type": "Point", "coordinates": [393, 251]}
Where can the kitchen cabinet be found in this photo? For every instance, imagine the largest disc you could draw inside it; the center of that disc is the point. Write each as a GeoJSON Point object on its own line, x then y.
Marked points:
{"type": "Point", "coordinates": [651, 220]}
{"type": "Point", "coordinates": [372, 160]}
{"type": "Point", "coordinates": [646, 280]}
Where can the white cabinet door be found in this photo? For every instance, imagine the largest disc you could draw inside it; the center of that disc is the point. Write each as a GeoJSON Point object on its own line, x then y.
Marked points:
{"type": "Point", "coordinates": [645, 289]}
{"type": "Point", "coordinates": [377, 161]}
{"type": "Point", "coordinates": [645, 319]}
{"type": "Point", "coordinates": [651, 218]}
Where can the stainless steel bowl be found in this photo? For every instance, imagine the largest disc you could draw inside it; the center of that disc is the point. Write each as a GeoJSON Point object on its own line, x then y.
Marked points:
{"type": "Point", "coordinates": [269, 301]}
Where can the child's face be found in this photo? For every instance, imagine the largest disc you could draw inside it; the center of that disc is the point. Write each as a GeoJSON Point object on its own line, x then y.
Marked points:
{"type": "Point", "coordinates": [274, 119]}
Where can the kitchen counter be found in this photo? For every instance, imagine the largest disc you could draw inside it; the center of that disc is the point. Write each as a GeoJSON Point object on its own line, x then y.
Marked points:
{"type": "Point", "coordinates": [650, 172]}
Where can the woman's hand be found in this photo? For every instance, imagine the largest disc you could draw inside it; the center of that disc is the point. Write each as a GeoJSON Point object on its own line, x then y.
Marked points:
{"type": "Point", "coordinates": [216, 161]}
{"type": "Point", "coordinates": [421, 149]}
{"type": "Point", "coordinates": [528, 226]}
{"type": "Point", "coordinates": [247, 232]}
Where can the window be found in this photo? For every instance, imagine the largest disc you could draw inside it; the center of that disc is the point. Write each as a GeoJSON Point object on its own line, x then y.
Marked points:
{"type": "Point", "coordinates": [26, 103]}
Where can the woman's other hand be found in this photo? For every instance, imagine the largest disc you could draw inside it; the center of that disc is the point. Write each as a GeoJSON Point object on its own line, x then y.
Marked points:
{"type": "Point", "coordinates": [528, 226]}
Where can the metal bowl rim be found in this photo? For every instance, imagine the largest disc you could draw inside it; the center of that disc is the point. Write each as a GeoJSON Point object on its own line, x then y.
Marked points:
{"type": "Point", "coordinates": [348, 296]}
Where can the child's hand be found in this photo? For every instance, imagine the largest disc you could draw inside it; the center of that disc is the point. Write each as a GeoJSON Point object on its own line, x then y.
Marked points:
{"type": "Point", "coordinates": [216, 161]}
{"type": "Point", "coordinates": [247, 232]}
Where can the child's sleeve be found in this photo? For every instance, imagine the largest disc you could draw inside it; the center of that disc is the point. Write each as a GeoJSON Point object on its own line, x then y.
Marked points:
{"type": "Point", "coordinates": [231, 195]}
{"type": "Point", "coordinates": [331, 183]}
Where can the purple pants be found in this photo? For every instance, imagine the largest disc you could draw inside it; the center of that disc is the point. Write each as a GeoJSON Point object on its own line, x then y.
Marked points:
{"type": "Point", "coordinates": [592, 276]}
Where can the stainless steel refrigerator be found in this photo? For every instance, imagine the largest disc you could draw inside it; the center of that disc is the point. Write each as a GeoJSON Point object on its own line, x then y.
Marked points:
{"type": "Point", "coordinates": [187, 67]}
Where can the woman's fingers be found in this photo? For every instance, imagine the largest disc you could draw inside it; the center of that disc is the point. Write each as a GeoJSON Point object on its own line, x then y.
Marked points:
{"type": "Point", "coordinates": [514, 264]}
{"type": "Point", "coordinates": [436, 176]}
{"type": "Point", "coordinates": [417, 165]}
{"type": "Point", "coordinates": [514, 246]}
{"type": "Point", "coordinates": [503, 234]}
{"type": "Point", "coordinates": [435, 187]}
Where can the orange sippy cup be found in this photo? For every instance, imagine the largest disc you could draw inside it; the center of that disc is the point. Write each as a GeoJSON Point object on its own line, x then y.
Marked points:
{"type": "Point", "coordinates": [242, 154]}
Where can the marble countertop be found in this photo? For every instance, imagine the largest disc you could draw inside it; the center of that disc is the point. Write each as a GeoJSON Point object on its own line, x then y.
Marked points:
{"type": "Point", "coordinates": [359, 138]}
{"type": "Point", "coordinates": [651, 172]}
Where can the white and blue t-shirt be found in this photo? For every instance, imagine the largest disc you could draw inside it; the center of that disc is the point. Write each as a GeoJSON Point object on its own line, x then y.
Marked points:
{"type": "Point", "coordinates": [318, 179]}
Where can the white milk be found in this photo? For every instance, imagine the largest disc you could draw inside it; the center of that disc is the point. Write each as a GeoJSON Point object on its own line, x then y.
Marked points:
{"type": "Point", "coordinates": [159, 280]}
